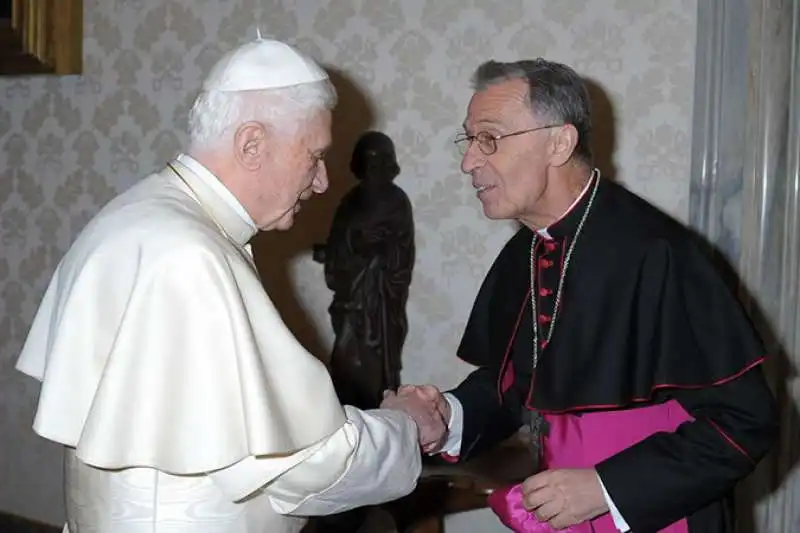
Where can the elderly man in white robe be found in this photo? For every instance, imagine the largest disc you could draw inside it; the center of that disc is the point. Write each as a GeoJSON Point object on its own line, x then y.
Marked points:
{"type": "Point", "coordinates": [183, 403]}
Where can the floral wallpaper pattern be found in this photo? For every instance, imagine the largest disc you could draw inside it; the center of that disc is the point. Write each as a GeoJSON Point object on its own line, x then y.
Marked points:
{"type": "Point", "coordinates": [68, 144]}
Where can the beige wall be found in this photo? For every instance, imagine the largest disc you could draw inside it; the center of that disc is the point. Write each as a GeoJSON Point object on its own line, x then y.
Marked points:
{"type": "Point", "coordinates": [68, 144]}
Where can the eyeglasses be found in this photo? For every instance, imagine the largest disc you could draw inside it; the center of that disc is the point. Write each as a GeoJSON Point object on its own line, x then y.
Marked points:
{"type": "Point", "coordinates": [487, 143]}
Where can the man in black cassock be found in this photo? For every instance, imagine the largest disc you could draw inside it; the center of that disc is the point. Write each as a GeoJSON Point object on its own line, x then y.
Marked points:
{"type": "Point", "coordinates": [603, 327]}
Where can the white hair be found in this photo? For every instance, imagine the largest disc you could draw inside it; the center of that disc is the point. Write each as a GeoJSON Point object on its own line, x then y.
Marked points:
{"type": "Point", "coordinates": [216, 114]}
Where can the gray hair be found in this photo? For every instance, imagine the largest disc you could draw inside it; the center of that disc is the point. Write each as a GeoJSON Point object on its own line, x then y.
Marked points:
{"type": "Point", "coordinates": [216, 114]}
{"type": "Point", "coordinates": [555, 93]}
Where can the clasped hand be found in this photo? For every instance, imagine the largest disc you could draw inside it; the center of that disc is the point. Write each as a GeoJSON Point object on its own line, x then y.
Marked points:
{"type": "Point", "coordinates": [427, 407]}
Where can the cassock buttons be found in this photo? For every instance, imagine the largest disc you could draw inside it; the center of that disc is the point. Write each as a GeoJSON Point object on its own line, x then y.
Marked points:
{"type": "Point", "coordinates": [545, 292]}
{"type": "Point", "coordinates": [545, 263]}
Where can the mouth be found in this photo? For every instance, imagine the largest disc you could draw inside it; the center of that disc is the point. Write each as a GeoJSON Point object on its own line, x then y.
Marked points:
{"type": "Point", "coordinates": [480, 189]}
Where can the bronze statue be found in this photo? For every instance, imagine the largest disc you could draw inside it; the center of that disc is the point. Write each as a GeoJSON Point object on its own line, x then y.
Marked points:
{"type": "Point", "coordinates": [369, 258]}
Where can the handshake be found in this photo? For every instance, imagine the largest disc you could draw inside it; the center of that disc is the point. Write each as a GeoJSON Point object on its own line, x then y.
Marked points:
{"type": "Point", "coordinates": [429, 409]}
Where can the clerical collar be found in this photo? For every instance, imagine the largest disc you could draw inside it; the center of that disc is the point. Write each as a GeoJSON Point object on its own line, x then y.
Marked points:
{"type": "Point", "coordinates": [567, 222]}
{"type": "Point", "coordinates": [217, 202]}
{"type": "Point", "coordinates": [218, 187]}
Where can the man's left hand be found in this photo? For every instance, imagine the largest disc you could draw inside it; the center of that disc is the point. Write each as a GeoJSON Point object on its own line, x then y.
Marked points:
{"type": "Point", "coordinates": [564, 497]}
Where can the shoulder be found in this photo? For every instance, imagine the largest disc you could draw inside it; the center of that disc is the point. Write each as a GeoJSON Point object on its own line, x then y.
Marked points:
{"type": "Point", "coordinates": [188, 249]}
{"type": "Point", "coordinates": [151, 232]}
{"type": "Point", "coordinates": [400, 193]}
{"type": "Point", "coordinates": [394, 198]}
{"type": "Point", "coordinates": [630, 240]}
{"type": "Point", "coordinates": [632, 222]}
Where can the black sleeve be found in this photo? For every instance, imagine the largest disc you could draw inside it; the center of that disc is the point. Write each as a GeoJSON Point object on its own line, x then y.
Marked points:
{"type": "Point", "coordinates": [734, 426]}
{"type": "Point", "coordinates": [706, 336]}
{"type": "Point", "coordinates": [487, 421]}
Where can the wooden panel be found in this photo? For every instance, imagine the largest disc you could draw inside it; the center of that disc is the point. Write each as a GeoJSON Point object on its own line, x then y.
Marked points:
{"type": "Point", "coordinates": [42, 37]}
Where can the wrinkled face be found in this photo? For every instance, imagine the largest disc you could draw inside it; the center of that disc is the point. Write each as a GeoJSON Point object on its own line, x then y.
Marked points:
{"type": "Point", "coordinates": [295, 170]}
{"type": "Point", "coordinates": [509, 182]}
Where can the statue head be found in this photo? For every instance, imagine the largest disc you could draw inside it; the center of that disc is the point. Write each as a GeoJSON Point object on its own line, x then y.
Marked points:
{"type": "Point", "coordinates": [374, 158]}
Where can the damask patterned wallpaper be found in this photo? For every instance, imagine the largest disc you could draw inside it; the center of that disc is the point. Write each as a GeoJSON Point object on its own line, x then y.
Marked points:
{"type": "Point", "coordinates": [68, 144]}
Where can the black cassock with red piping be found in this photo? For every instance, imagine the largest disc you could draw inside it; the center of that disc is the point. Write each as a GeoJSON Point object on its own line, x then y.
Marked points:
{"type": "Point", "coordinates": [643, 318]}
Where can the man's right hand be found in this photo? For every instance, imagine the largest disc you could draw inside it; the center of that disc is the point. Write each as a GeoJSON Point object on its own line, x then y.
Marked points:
{"type": "Point", "coordinates": [435, 400]}
{"type": "Point", "coordinates": [431, 394]}
{"type": "Point", "coordinates": [431, 423]}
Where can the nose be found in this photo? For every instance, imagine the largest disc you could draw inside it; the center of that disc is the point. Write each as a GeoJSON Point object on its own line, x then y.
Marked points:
{"type": "Point", "coordinates": [321, 182]}
{"type": "Point", "coordinates": [473, 159]}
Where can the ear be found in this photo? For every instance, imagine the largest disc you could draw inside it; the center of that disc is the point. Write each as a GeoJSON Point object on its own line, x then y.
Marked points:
{"type": "Point", "coordinates": [562, 144]}
{"type": "Point", "coordinates": [250, 145]}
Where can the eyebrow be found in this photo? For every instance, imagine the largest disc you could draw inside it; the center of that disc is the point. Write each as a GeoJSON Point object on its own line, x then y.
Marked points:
{"type": "Point", "coordinates": [487, 122]}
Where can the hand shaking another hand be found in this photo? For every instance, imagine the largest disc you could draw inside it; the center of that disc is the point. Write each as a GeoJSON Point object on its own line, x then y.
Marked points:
{"type": "Point", "coordinates": [427, 407]}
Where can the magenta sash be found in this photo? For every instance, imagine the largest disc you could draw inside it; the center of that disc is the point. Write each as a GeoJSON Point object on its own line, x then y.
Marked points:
{"type": "Point", "coordinates": [582, 442]}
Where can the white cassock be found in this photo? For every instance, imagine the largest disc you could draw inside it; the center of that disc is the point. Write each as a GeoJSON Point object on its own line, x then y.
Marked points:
{"type": "Point", "coordinates": [184, 403]}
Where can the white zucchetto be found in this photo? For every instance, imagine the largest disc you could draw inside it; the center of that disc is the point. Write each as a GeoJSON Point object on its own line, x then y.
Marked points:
{"type": "Point", "coordinates": [263, 64]}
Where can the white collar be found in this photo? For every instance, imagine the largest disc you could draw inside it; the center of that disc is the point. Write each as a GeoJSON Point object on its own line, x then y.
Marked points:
{"type": "Point", "coordinates": [217, 186]}
{"type": "Point", "coordinates": [543, 231]}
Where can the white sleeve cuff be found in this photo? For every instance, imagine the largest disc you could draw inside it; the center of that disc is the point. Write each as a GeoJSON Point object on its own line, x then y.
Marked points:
{"type": "Point", "coordinates": [455, 426]}
{"type": "Point", "coordinates": [374, 460]}
{"type": "Point", "coordinates": [620, 522]}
